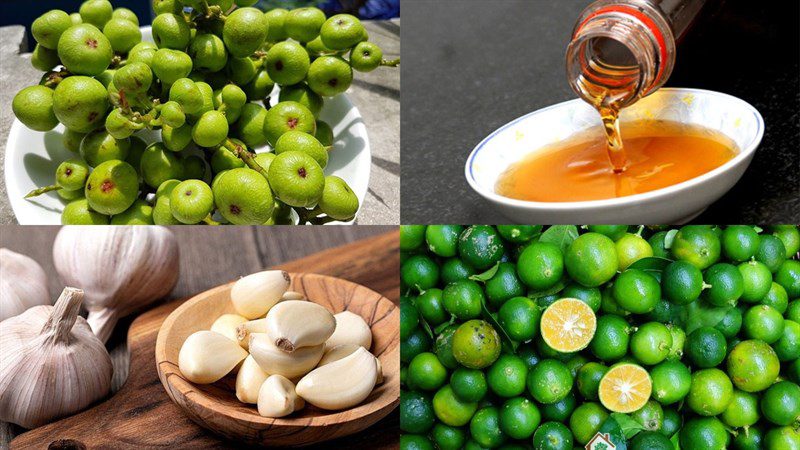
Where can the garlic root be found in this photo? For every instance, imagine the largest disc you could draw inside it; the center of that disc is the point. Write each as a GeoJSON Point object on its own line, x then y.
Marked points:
{"type": "Point", "coordinates": [207, 356]}
{"type": "Point", "coordinates": [249, 381]}
{"type": "Point", "coordinates": [23, 284]}
{"type": "Point", "coordinates": [340, 384]}
{"type": "Point", "coordinates": [252, 296]}
{"type": "Point", "coordinates": [244, 330]}
{"type": "Point", "coordinates": [278, 362]}
{"type": "Point", "coordinates": [227, 324]}
{"type": "Point", "coordinates": [350, 329]}
{"type": "Point", "coordinates": [294, 324]}
{"type": "Point", "coordinates": [277, 397]}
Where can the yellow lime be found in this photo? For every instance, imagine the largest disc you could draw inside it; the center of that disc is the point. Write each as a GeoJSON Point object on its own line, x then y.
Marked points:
{"type": "Point", "coordinates": [625, 388]}
{"type": "Point", "coordinates": [568, 325]}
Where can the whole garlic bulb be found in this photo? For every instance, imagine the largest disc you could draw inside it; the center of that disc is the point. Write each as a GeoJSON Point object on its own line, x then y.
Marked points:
{"type": "Point", "coordinates": [23, 284]}
{"type": "Point", "coordinates": [120, 268]}
{"type": "Point", "coordinates": [52, 365]}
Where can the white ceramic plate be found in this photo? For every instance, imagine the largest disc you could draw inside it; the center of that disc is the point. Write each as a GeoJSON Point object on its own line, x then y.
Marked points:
{"type": "Point", "coordinates": [32, 157]}
{"type": "Point", "coordinates": [729, 115]}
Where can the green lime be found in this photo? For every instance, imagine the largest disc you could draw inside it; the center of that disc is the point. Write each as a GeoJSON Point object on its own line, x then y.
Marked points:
{"type": "Point", "coordinates": [450, 409]}
{"type": "Point", "coordinates": [751, 438]}
{"type": "Point", "coordinates": [731, 323]}
{"type": "Point", "coordinates": [589, 295]}
{"type": "Point", "coordinates": [415, 442]}
{"type": "Point", "coordinates": [417, 342]}
{"type": "Point", "coordinates": [783, 438]}
{"type": "Point", "coordinates": [430, 306]}
{"type": "Point", "coordinates": [411, 236]}
{"type": "Point", "coordinates": [696, 244]}
{"type": "Point", "coordinates": [631, 248]}
{"type": "Point", "coordinates": [507, 376]}
{"type": "Point", "coordinates": [455, 269]}
{"type": "Point", "coordinates": [706, 347]}
{"type": "Point", "coordinates": [650, 440]}
{"type": "Point", "coordinates": [780, 404]}
{"type": "Point", "coordinates": [610, 341]}
{"type": "Point", "coordinates": [419, 271]}
{"type": "Point", "coordinates": [739, 242]}
{"type": "Point", "coordinates": [591, 259]}
{"type": "Point", "coordinates": [771, 252]}
{"type": "Point", "coordinates": [757, 280]}
{"type": "Point", "coordinates": [650, 416]}
{"type": "Point", "coordinates": [504, 285]}
{"type": "Point", "coordinates": [788, 346]}
{"type": "Point", "coordinates": [651, 343]}
{"type": "Point", "coordinates": [636, 291]}
{"type": "Point", "coordinates": [416, 412]}
{"type": "Point", "coordinates": [681, 282]}
{"type": "Point", "coordinates": [549, 381]}
{"type": "Point", "coordinates": [476, 344]}
{"type": "Point", "coordinates": [443, 239]}
{"type": "Point", "coordinates": [528, 354]}
{"type": "Point", "coordinates": [480, 246]}
{"type": "Point", "coordinates": [575, 363]}
{"type": "Point", "coordinates": [776, 297]}
{"type": "Point", "coordinates": [726, 284]}
{"type": "Point", "coordinates": [665, 312]}
{"type": "Point", "coordinates": [446, 437]}
{"type": "Point", "coordinates": [560, 410]}
{"type": "Point", "coordinates": [788, 276]}
{"type": "Point", "coordinates": [518, 234]}
{"type": "Point", "coordinates": [614, 232]}
{"type": "Point", "coordinates": [711, 392]}
{"type": "Point", "coordinates": [793, 311]}
{"type": "Point", "coordinates": [671, 382]}
{"type": "Point", "coordinates": [485, 428]}
{"type": "Point", "coordinates": [552, 436]}
{"type": "Point", "coordinates": [658, 244]}
{"type": "Point", "coordinates": [586, 420]}
{"type": "Point", "coordinates": [753, 365]}
{"type": "Point", "coordinates": [672, 422]}
{"type": "Point", "coordinates": [609, 305]}
{"type": "Point", "coordinates": [678, 342]}
{"type": "Point", "coordinates": [469, 384]}
{"type": "Point", "coordinates": [763, 322]}
{"type": "Point", "coordinates": [520, 316]}
{"type": "Point", "coordinates": [463, 299]}
{"type": "Point", "coordinates": [426, 372]}
{"type": "Point", "coordinates": [443, 347]}
{"type": "Point", "coordinates": [540, 265]}
{"type": "Point", "coordinates": [519, 418]}
{"type": "Point", "coordinates": [547, 300]}
{"type": "Point", "coordinates": [588, 379]}
{"type": "Point", "coordinates": [704, 433]}
{"type": "Point", "coordinates": [790, 236]}
{"type": "Point", "coordinates": [743, 410]}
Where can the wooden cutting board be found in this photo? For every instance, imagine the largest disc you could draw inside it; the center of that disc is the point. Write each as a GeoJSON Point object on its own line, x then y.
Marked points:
{"type": "Point", "coordinates": [141, 415]}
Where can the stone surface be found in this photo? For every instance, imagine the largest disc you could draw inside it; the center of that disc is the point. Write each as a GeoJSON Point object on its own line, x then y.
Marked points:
{"type": "Point", "coordinates": [376, 94]}
{"type": "Point", "coordinates": [471, 67]}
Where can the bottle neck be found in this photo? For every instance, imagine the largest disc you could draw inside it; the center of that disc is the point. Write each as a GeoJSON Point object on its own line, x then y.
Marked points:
{"type": "Point", "coordinates": [621, 50]}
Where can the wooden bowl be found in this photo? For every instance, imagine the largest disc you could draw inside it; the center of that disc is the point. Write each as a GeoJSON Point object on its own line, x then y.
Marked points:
{"type": "Point", "coordinates": [215, 406]}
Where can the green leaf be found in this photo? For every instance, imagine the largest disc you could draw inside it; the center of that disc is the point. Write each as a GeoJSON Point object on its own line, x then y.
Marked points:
{"type": "Point", "coordinates": [670, 238]}
{"type": "Point", "coordinates": [651, 264]}
{"type": "Point", "coordinates": [509, 345]}
{"type": "Point", "coordinates": [628, 426]}
{"type": "Point", "coordinates": [441, 327]}
{"type": "Point", "coordinates": [555, 289]}
{"type": "Point", "coordinates": [561, 235]}
{"type": "Point", "coordinates": [614, 431]}
{"type": "Point", "coordinates": [427, 328]}
{"type": "Point", "coordinates": [700, 314]}
{"type": "Point", "coordinates": [676, 441]}
{"type": "Point", "coordinates": [486, 276]}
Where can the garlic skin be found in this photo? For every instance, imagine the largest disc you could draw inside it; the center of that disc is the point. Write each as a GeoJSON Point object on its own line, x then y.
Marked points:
{"type": "Point", "coordinates": [51, 364]}
{"type": "Point", "coordinates": [120, 268]}
{"type": "Point", "coordinates": [350, 329]}
{"type": "Point", "coordinates": [207, 356]}
{"type": "Point", "coordinates": [277, 398]}
{"type": "Point", "coordinates": [252, 296]}
{"type": "Point", "coordinates": [23, 284]}
{"type": "Point", "coordinates": [244, 330]}
{"type": "Point", "coordinates": [340, 384]}
{"type": "Point", "coordinates": [278, 362]}
{"type": "Point", "coordinates": [294, 324]}
{"type": "Point", "coordinates": [249, 381]}
{"type": "Point", "coordinates": [226, 325]}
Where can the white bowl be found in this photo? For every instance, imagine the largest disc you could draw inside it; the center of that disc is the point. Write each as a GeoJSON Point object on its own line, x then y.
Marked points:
{"type": "Point", "coordinates": [32, 157]}
{"type": "Point", "coordinates": [679, 203]}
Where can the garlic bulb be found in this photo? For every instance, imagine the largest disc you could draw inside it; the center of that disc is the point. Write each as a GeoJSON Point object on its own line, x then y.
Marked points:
{"type": "Point", "coordinates": [226, 325]}
{"type": "Point", "coordinates": [295, 323]}
{"type": "Point", "coordinates": [244, 330]}
{"type": "Point", "coordinates": [278, 362]}
{"type": "Point", "coordinates": [23, 284]}
{"type": "Point", "coordinates": [350, 329]}
{"type": "Point", "coordinates": [340, 384]}
{"type": "Point", "coordinates": [207, 356]}
{"type": "Point", "coordinates": [277, 397]}
{"type": "Point", "coordinates": [120, 269]}
{"type": "Point", "coordinates": [252, 296]}
{"type": "Point", "coordinates": [51, 364]}
{"type": "Point", "coordinates": [249, 381]}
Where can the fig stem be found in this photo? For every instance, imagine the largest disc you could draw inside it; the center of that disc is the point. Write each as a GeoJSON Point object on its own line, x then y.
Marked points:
{"type": "Point", "coordinates": [390, 62]}
{"type": "Point", "coordinates": [242, 153]}
{"type": "Point", "coordinates": [42, 190]}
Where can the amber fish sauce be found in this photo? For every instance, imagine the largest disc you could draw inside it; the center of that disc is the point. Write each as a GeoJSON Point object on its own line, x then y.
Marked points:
{"type": "Point", "coordinates": [657, 154]}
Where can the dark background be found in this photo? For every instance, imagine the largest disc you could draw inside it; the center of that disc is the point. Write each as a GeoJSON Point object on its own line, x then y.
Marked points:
{"type": "Point", "coordinates": [475, 65]}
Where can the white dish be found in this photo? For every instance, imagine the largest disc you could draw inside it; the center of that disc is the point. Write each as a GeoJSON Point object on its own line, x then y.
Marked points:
{"type": "Point", "coordinates": [679, 203]}
{"type": "Point", "coordinates": [32, 157]}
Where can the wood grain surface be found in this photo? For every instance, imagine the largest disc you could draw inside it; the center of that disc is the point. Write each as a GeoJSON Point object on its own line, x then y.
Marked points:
{"type": "Point", "coordinates": [210, 257]}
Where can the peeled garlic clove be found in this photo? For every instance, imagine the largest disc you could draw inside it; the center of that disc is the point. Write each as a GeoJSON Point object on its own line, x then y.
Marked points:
{"type": "Point", "coordinates": [207, 356]}
{"type": "Point", "coordinates": [340, 384]}
{"type": "Point", "coordinates": [292, 295]}
{"type": "Point", "coordinates": [23, 284]}
{"type": "Point", "coordinates": [278, 362]}
{"type": "Point", "coordinates": [336, 353]}
{"type": "Point", "coordinates": [249, 381]}
{"type": "Point", "coordinates": [226, 325]}
{"type": "Point", "coordinates": [277, 397]}
{"type": "Point", "coordinates": [295, 323]}
{"type": "Point", "coordinates": [350, 329]}
{"type": "Point", "coordinates": [244, 330]}
{"type": "Point", "coordinates": [252, 296]}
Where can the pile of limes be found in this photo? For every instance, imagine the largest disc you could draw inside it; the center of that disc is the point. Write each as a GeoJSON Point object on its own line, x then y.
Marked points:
{"type": "Point", "coordinates": [523, 336]}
